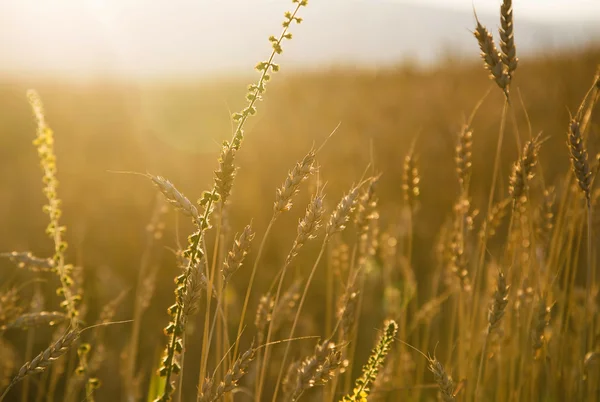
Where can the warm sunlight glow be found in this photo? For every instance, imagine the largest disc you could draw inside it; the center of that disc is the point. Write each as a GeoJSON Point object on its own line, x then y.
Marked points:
{"type": "Point", "coordinates": [137, 38]}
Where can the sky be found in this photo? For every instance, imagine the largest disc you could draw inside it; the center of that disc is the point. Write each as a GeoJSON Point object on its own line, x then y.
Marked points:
{"type": "Point", "coordinates": [176, 36]}
{"type": "Point", "coordinates": [533, 9]}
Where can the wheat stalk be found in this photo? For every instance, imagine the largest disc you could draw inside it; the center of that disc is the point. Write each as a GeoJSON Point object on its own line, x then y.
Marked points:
{"type": "Point", "coordinates": [44, 143]}
{"type": "Point", "coordinates": [43, 360]}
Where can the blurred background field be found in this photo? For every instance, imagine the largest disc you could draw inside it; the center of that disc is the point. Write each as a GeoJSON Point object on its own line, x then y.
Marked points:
{"type": "Point", "coordinates": [172, 125]}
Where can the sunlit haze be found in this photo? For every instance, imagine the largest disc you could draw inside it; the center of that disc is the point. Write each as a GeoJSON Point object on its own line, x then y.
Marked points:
{"type": "Point", "coordinates": [157, 38]}
{"type": "Point", "coordinates": [575, 10]}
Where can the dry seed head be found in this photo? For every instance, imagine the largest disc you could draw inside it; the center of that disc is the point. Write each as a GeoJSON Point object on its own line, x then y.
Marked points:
{"type": "Point", "coordinates": [41, 362]}
{"type": "Point", "coordinates": [175, 197]}
{"type": "Point", "coordinates": [522, 171]}
{"type": "Point", "coordinates": [541, 319]}
{"type": "Point", "coordinates": [443, 380]}
{"type": "Point", "coordinates": [235, 373]}
{"type": "Point", "coordinates": [193, 291]}
{"type": "Point", "coordinates": [28, 261]}
{"type": "Point", "coordinates": [459, 260]}
{"type": "Point", "coordinates": [579, 158]}
{"type": "Point", "coordinates": [545, 222]}
{"type": "Point", "coordinates": [264, 313]}
{"type": "Point", "coordinates": [308, 369]}
{"type": "Point", "coordinates": [347, 311]}
{"type": "Point", "coordinates": [499, 303]}
{"type": "Point", "coordinates": [410, 181]}
{"type": "Point", "coordinates": [225, 175]}
{"type": "Point", "coordinates": [284, 310]}
{"type": "Point", "coordinates": [36, 319]}
{"type": "Point", "coordinates": [494, 218]}
{"type": "Point", "coordinates": [339, 217]}
{"type": "Point", "coordinates": [10, 306]}
{"type": "Point", "coordinates": [238, 252]}
{"type": "Point", "coordinates": [205, 394]}
{"type": "Point", "coordinates": [308, 225]}
{"type": "Point", "coordinates": [327, 370]}
{"type": "Point", "coordinates": [507, 39]}
{"type": "Point", "coordinates": [491, 57]}
{"type": "Point", "coordinates": [291, 377]}
{"type": "Point", "coordinates": [463, 157]}
{"type": "Point", "coordinates": [300, 172]}
{"type": "Point", "coordinates": [369, 241]}
{"type": "Point", "coordinates": [366, 206]}
{"type": "Point", "coordinates": [339, 258]}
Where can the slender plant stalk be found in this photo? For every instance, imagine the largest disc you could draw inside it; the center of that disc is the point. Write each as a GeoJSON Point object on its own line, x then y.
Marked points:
{"type": "Point", "coordinates": [251, 283]}
{"type": "Point", "coordinates": [297, 317]}
{"type": "Point", "coordinates": [263, 365]}
{"type": "Point", "coordinates": [206, 336]}
{"type": "Point", "coordinates": [483, 243]}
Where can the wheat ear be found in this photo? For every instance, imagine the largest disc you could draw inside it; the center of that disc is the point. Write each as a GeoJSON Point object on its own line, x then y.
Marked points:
{"type": "Point", "coordinates": [43, 360]}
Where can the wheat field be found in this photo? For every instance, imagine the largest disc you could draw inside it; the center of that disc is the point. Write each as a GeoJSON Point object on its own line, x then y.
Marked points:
{"type": "Point", "coordinates": [399, 234]}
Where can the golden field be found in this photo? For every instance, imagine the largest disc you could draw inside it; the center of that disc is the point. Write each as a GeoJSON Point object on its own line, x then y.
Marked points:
{"type": "Point", "coordinates": [414, 268]}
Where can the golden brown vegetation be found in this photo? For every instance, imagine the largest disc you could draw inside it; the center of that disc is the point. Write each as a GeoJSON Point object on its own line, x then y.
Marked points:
{"type": "Point", "coordinates": [458, 217]}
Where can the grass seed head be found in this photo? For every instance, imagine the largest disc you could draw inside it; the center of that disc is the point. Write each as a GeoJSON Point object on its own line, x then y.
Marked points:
{"type": "Point", "coordinates": [523, 169]}
{"type": "Point", "coordinates": [491, 57]}
{"type": "Point", "coordinates": [443, 380]}
{"type": "Point", "coordinates": [579, 158]}
{"type": "Point", "coordinates": [238, 252]}
{"type": "Point", "coordinates": [507, 38]}
{"type": "Point", "coordinates": [300, 172]}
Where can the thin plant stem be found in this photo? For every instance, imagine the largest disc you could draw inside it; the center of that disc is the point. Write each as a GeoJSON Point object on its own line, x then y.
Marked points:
{"type": "Point", "coordinates": [181, 363]}
{"type": "Point", "coordinates": [297, 317]}
{"type": "Point", "coordinates": [483, 244]}
{"type": "Point", "coordinates": [250, 283]}
{"type": "Point", "coordinates": [261, 378]}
